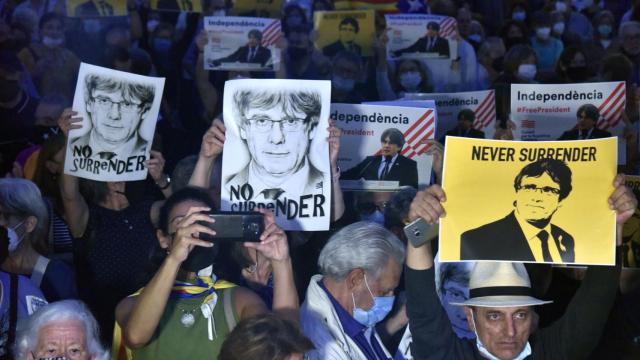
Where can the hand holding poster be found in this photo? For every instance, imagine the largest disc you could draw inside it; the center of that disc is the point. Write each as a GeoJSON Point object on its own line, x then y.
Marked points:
{"type": "Point", "coordinates": [449, 105]}
{"type": "Point", "coordinates": [529, 201]}
{"type": "Point", "coordinates": [384, 144]}
{"type": "Point", "coordinates": [549, 111]}
{"type": "Point", "coordinates": [338, 31]}
{"type": "Point", "coordinates": [631, 232]}
{"type": "Point", "coordinates": [421, 36]}
{"type": "Point", "coordinates": [119, 111]}
{"type": "Point", "coordinates": [177, 5]}
{"type": "Point", "coordinates": [96, 8]}
{"type": "Point", "coordinates": [276, 154]}
{"type": "Point", "coordinates": [242, 43]}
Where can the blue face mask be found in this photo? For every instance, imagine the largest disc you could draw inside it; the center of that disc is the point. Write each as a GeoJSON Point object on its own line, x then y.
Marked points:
{"type": "Point", "coordinates": [161, 45]}
{"type": "Point", "coordinates": [343, 84]}
{"type": "Point", "coordinates": [381, 307]}
{"type": "Point", "coordinates": [376, 216]}
{"type": "Point", "coordinates": [604, 30]}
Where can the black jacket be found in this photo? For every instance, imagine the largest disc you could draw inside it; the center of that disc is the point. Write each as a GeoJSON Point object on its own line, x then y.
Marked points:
{"type": "Point", "coordinates": [441, 46]}
{"type": "Point", "coordinates": [403, 170]}
{"type": "Point", "coordinates": [574, 134]}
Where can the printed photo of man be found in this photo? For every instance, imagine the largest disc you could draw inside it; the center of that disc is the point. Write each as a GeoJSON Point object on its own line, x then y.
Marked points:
{"type": "Point", "coordinates": [252, 52]}
{"type": "Point", "coordinates": [277, 127]}
{"type": "Point", "coordinates": [390, 165]}
{"type": "Point", "coordinates": [347, 31]}
{"type": "Point", "coordinates": [587, 118]}
{"type": "Point", "coordinates": [527, 234]}
{"type": "Point", "coordinates": [116, 109]}
{"type": "Point", "coordinates": [431, 42]}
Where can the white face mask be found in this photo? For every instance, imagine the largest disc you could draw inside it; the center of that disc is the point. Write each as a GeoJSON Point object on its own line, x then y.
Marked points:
{"type": "Point", "coordinates": [543, 33]}
{"type": "Point", "coordinates": [558, 28]}
{"type": "Point", "coordinates": [561, 6]}
{"type": "Point", "coordinates": [410, 80]}
{"type": "Point", "coordinates": [14, 238]}
{"type": "Point", "coordinates": [485, 353]}
{"type": "Point", "coordinates": [52, 42]}
{"type": "Point", "coordinates": [152, 25]}
{"type": "Point", "coordinates": [527, 71]}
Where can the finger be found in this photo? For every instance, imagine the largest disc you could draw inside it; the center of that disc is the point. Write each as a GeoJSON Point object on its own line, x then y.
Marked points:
{"type": "Point", "coordinates": [193, 210]}
{"type": "Point", "coordinates": [188, 220]}
{"type": "Point", "coordinates": [269, 231]}
{"type": "Point", "coordinates": [155, 154]}
{"type": "Point", "coordinates": [193, 231]}
{"type": "Point", "coordinates": [618, 193]}
{"type": "Point", "coordinates": [198, 242]}
{"type": "Point", "coordinates": [618, 180]}
{"type": "Point", "coordinates": [437, 191]}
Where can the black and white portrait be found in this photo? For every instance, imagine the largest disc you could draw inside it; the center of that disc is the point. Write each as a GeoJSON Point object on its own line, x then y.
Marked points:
{"type": "Point", "coordinates": [119, 113]}
{"type": "Point", "coordinates": [277, 157]}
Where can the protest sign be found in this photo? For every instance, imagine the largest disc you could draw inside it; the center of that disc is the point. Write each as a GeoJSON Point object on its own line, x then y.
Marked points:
{"type": "Point", "coordinates": [631, 231]}
{"type": "Point", "coordinates": [177, 5]}
{"type": "Point", "coordinates": [383, 6]}
{"type": "Point", "coordinates": [96, 8]}
{"type": "Point", "coordinates": [421, 36]}
{"type": "Point", "coordinates": [371, 134]}
{"type": "Point", "coordinates": [529, 201]}
{"type": "Point", "coordinates": [258, 8]}
{"type": "Point", "coordinates": [276, 154]}
{"type": "Point", "coordinates": [344, 30]}
{"type": "Point", "coordinates": [449, 105]}
{"type": "Point", "coordinates": [242, 43]}
{"type": "Point", "coordinates": [546, 111]}
{"type": "Point", "coordinates": [119, 111]}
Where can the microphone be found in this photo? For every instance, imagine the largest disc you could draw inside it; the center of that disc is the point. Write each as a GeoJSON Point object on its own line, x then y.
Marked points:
{"type": "Point", "coordinates": [365, 167]}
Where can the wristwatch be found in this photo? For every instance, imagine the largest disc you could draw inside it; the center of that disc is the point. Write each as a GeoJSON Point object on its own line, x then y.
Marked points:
{"type": "Point", "coordinates": [168, 183]}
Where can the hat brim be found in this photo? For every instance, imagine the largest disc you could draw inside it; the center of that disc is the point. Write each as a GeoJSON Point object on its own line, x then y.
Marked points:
{"type": "Point", "coordinates": [502, 301]}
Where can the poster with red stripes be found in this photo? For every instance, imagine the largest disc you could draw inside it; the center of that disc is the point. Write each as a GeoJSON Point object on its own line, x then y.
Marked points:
{"type": "Point", "coordinates": [421, 36]}
{"type": "Point", "coordinates": [242, 43]}
{"type": "Point", "coordinates": [545, 112]}
{"type": "Point", "coordinates": [384, 147]}
{"type": "Point", "coordinates": [482, 103]}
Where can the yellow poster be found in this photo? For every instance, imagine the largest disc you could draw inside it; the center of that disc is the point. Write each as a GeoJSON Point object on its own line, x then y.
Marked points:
{"type": "Point", "coordinates": [96, 8]}
{"type": "Point", "coordinates": [631, 232]}
{"type": "Point", "coordinates": [344, 30]}
{"type": "Point", "coordinates": [543, 202]}
{"type": "Point", "coordinates": [258, 8]}
{"type": "Point", "coordinates": [177, 5]}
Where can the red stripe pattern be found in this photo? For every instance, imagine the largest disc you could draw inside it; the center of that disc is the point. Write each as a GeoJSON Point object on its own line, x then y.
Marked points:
{"type": "Point", "coordinates": [485, 112]}
{"type": "Point", "coordinates": [417, 136]}
{"type": "Point", "coordinates": [612, 107]}
{"type": "Point", "coordinates": [447, 27]}
{"type": "Point", "coordinates": [271, 34]}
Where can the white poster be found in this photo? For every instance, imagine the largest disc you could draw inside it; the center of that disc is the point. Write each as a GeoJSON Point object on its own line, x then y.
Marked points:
{"type": "Point", "coordinates": [545, 112]}
{"type": "Point", "coordinates": [276, 154]}
{"type": "Point", "coordinates": [119, 112]}
{"type": "Point", "coordinates": [384, 147]}
{"type": "Point", "coordinates": [449, 105]}
{"type": "Point", "coordinates": [421, 36]}
{"type": "Point", "coordinates": [242, 43]}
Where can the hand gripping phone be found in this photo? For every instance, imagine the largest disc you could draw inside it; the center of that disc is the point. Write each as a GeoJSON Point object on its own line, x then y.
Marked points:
{"type": "Point", "coordinates": [419, 232]}
{"type": "Point", "coordinates": [234, 226]}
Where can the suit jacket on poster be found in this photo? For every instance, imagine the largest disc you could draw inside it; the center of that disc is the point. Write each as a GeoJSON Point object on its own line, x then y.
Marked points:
{"type": "Point", "coordinates": [262, 56]}
{"type": "Point", "coordinates": [334, 48]}
{"type": "Point", "coordinates": [504, 240]}
{"type": "Point", "coordinates": [441, 46]}
{"type": "Point", "coordinates": [403, 170]}
{"type": "Point", "coordinates": [574, 134]}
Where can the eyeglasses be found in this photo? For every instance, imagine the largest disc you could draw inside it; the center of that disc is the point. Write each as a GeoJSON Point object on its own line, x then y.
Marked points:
{"type": "Point", "coordinates": [547, 190]}
{"type": "Point", "coordinates": [288, 125]}
{"type": "Point", "coordinates": [370, 207]}
{"type": "Point", "coordinates": [107, 104]}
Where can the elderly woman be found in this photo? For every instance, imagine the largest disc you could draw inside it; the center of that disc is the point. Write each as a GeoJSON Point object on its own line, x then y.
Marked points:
{"type": "Point", "coordinates": [61, 330]}
{"type": "Point", "coordinates": [25, 213]}
{"type": "Point", "coordinates": [360, 268]}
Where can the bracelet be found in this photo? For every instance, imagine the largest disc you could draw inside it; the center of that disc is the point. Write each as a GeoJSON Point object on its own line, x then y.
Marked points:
{"type": "Point", "coordinates": [168, 180]}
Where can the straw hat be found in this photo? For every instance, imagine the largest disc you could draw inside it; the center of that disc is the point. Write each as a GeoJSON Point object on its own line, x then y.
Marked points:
{"type": "Point", "coordinates": [500, 284]}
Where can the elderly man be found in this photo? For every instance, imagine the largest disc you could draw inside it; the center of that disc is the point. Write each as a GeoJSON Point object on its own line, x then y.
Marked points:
{"type": "Point", "coordinates": [61, 330]}
{"type": "Point", "coordinates": [116, 108]}
{"type": "Point", "coordinates": [500, 306]}
{"type": "Point", "coordinates": [277, 128]}
{"type": "Point", "coordinates": [360, 268]}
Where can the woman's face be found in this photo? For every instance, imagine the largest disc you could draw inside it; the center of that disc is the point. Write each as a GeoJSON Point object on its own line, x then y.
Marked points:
{"type": "Point", "coordinates": [407, 66]}
{"type": "Point", "coordinates": [180, 211]}
{"type": "Point", "coordinates": [514, 32]}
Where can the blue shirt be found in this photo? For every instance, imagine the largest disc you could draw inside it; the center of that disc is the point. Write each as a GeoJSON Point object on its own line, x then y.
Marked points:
{"type": "Point", "coordinates": [356, 331]}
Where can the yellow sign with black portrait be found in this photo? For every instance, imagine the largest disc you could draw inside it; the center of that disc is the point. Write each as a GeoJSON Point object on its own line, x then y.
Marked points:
{"type": "Point", "coordinates": [543, 202]}
{"type": "Point", "coordinates": [177, 5]}
{"type": "Point", "coordinates": [96, 8]}
{"type": "Point", "coordinates": [338, 31]}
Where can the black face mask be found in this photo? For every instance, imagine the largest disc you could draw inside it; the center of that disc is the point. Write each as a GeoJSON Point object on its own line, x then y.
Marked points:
{"type": "Point", "coordinates": [578, 73]}
{"type": "Point", "coordinates": [296, 53]}
{"type": "Point", "coordinates": [9, 90]}
{"type": "Point", "coordinates": [200, 257]}
{"type": "Point", "coordinates": [498, 64]}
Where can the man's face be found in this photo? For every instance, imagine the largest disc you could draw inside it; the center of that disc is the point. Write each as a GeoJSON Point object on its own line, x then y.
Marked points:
{"type": "Point", "coordinates": [631, 40]}
{"type": "Point", "coordinates": [114, 119]}
{"type": "Point", "coordinates": [62, 338]}
{"type": "Point", "coordinates": [253, 41]}
{"type": "Point", "coordinates": [347, 33]}
{"type": "Point", "coordinates": [278, 142]}
{"type": "Point", "coordinates": [537, 198]}
{"type": "Point", "coordinates": [465, 124]}
{"type": "Point", "coordinates": [389, 148]}
{"type": "Point", "coordinates": [384, 285]}
{"type": "Point", "coordinates": [503, 331]}
{"type": "Point", "coordinates": [431, 32]}
{"type": "Point", "coordinates": [584, 122]}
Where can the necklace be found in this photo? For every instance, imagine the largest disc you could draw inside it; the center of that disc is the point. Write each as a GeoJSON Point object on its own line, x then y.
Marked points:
{"type": "Point", "coordinates": [188, 319]}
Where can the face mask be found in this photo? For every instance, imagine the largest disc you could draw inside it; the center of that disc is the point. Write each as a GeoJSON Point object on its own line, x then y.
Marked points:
{"type": "Point", "coordinates": [220, 12]}
{"type": "Point", "coordinates": [410, 80]}
{"type": "Point", "coordinates": [604, 30]}
{"type": "Point", "coordinates": [558, 28]}
{"type": "Point", "coordinates": [14, 239]}
{"type": "Point", "coordinates": [519, 15]}
{"type": "Point", "coordinates": [578, 73]}
{"type": "Point", "coordinates": [527, 71]}
{"type": "Point", "coordinates": [486, 354]}
{"type": "Point", "coordinates": [161, 45]}
{"type": "Point", "coordinates": [343, 84]}
{"type": "Point", "coordinates": [200, 258]}
{"type": "Point", "coordinates": [376, 217]}
{"type": "Point", "coordinates": [52, 42]}
{"type": "Point", "coordinates": [295, 52]}
{"type": "Point", "coordinates": [543, 33]}
{"type": "Point", "coordinates": [381, 307]}
{"type": "Point", "coordinates": [152, 25]}
{"type": "Point", "coordinates": [477, 38]}
{"type": "Point", "coordinates": [561, 6]}
{"type": "Point", "coordinates": [91, 26]}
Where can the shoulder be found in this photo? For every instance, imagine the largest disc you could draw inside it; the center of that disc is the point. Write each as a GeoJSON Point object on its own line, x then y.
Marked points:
{"type": "Point", "coordinates": [489, 229]}
{"type": "Point", "coordinates": [246, 302]}
{"type": "Point", "coordinates": [558, 231]}
{"type": "Point", "coordinates": [406, 160]}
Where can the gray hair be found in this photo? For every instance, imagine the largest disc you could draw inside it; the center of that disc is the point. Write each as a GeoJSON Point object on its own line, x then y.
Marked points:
{"type": "Point", "coordinates": [301, 101]}
{"type": "Point", "coordinates": [362, 245]}
{"type": "Point", "coordinates": [22, 198]}
{"type": "Point", "coordinates": [65, 310]}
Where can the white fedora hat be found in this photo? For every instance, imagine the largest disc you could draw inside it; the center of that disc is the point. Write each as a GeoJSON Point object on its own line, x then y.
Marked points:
{"type": "Point", "coordinates": [500, 284]}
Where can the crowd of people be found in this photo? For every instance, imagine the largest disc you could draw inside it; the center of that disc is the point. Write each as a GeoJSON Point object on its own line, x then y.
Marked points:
{"type": "Point", "coordinates": [98, 270]}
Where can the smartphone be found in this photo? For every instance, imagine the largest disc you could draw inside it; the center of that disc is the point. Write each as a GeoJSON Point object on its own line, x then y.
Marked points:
{"type": "Point", "coordinates": [234, 226]}
{"type": "Point", "coordinates": [420, 232]}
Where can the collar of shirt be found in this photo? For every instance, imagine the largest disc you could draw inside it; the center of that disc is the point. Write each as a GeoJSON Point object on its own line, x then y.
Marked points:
{"type": "Point", "coordinates": [294, 183]}
{"type": "Point", "coordinates": [535, 244]}
{"type": "Point", "coordinates": [384, 161]}
{"type": "Point", "coordinates": [122, 150]}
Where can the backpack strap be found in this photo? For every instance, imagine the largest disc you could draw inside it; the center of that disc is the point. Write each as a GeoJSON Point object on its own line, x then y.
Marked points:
{"type": "Point", "coordinates": [228, 308]}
